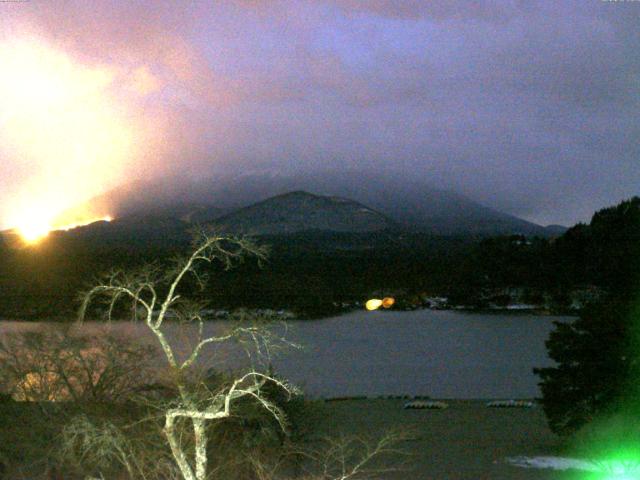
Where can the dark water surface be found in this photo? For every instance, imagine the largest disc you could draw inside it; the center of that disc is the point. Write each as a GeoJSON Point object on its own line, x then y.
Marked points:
{"type": "Point", "coordinates": [443, 354]}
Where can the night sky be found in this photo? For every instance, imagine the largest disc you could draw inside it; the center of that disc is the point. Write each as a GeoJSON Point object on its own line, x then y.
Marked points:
{"type": "Point", "coordinates": [531, 107]}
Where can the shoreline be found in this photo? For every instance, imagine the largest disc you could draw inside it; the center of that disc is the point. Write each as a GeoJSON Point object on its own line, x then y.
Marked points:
{"type": "Point", "coordinates": [290, 317]}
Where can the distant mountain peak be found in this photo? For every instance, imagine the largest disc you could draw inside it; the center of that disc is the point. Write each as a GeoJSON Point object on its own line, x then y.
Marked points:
{"type": "Point", "coordinates": [299, 211]}
{"type": "Point", "coordinates": [409, 200]}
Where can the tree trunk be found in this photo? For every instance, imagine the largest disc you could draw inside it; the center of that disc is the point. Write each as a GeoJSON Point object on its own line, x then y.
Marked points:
{"type": "Point", "coordinates": [200, 434]}
{"type": "Point", "coordinates": [176, 450]}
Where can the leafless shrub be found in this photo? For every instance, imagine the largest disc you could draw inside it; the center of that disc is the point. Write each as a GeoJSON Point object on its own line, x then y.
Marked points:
{"type": "Point", "coordinates": [342, 458]}
{"type": "Point", "coordinates": [55, 365]}
{"type": "Point", "coordinates": [351, 457]}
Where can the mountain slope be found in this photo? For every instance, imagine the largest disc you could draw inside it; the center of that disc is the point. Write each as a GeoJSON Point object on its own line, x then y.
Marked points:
{"type": "Point", "coordinates": [300, 211]}
{"type": "Point", "coordinates": [411, 202]}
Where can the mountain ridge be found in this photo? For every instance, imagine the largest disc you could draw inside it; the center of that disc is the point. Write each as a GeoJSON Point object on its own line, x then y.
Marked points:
{"type": "Point", "coordinates": [412, 203]}
{"type": "Point", "coordinates": [299, 211]}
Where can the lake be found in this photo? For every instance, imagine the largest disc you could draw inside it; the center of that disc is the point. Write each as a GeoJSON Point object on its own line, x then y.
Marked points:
{"type": "Point", "coordinates": [443, 354]}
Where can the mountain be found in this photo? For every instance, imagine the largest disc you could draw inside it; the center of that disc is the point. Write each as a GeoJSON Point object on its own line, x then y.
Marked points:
{"type": "Point", "coordinates": [293, 212]}
{"type": "Point", "coordinates": [134, 230]}
{"type": "Point", "coordinates": [411, 202]}
{"type": "Point", "coordinates": [160, 199]}
{"type": "Point", "coordinates": [301, 211]}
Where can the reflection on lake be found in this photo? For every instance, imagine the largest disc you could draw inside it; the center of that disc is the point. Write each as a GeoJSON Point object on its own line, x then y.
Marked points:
{"type": "Point", "coordinates": [444, 354]}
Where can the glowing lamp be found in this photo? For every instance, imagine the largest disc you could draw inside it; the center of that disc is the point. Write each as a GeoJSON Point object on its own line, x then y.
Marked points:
{"type": "Point", "coordinates": [373, 304]}
{"type": "Point", "coordinates": [388, 302]}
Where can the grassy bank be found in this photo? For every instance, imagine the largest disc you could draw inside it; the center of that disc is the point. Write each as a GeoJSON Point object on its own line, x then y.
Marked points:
{"type": "Point", "coordinates": [466, 441]}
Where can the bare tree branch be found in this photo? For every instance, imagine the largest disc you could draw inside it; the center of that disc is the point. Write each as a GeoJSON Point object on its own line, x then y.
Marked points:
{"type": "Point", "coordinates": [141, 290]}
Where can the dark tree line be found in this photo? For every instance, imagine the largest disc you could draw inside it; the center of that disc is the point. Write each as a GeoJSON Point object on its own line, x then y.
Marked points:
{"type": "Point", "coordinates": [604, 253]}
{"type": "Point", "coordinates": [598, 354]}
{"type": "Point", "coordinates": [598, 365]}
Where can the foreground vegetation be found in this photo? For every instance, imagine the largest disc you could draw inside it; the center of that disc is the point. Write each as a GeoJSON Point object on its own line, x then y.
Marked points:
{"type": "Point", "coordinates": [591, 395]}
{"type": "Point", "coordinates": [80, 407]}
{"type": "Point", "coordinates": [467, 441]}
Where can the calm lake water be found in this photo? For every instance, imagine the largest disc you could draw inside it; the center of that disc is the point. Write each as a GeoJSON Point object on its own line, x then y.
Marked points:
{"type": "Point", "coordinates": [443, 354]}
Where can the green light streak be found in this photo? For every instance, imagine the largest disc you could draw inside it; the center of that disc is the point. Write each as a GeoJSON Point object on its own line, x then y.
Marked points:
{"type": "Point", "coordinates": [621, 468]}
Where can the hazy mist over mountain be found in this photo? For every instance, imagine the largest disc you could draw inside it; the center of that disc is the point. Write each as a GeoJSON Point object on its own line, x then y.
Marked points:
{"type": "Point", "coordinates": [529, 108]}
{"type": "Point", "coordinates": [411, 202]}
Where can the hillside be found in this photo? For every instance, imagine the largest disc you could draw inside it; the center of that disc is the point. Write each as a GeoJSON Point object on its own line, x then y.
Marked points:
{"type": "Point", "coordinates": [335, 267]}
{"type": "Point", "coordinates": [300, 211]}
{"type": "Point", "coordinates": [411, 202]}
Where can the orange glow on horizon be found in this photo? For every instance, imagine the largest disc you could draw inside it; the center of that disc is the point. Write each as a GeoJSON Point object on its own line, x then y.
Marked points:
{"type": "Point", "coordinates": [33, 230]}
{"type": "Point", "coordinates": [66, 134]}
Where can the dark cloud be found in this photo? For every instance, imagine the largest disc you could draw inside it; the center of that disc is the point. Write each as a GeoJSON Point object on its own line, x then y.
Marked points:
{"type": "Point", "coordinates": [528, 106]}
{"type": "Point", "coordinates": [487, 10]}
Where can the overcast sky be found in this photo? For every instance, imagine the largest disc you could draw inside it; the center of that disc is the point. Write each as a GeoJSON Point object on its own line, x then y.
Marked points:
{"type": "Point", "coordinates": [531, 107]}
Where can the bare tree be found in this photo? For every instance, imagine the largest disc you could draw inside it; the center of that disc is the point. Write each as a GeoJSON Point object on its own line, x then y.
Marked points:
{"type": "Point", "coordinates": [346, 457]}
{"type": "Point", "coordinates": [54, 364]}
{"type": "Point", "coordinates": [352, 457]}
{"type": "Point", "coordinates": [154, 296]}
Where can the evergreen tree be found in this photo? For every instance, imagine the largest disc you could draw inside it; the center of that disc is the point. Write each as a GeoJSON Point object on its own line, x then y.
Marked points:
{"type": "Point", "coordinates": [598, 365]}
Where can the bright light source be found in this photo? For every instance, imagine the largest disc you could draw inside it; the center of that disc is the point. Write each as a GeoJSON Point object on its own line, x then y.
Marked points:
{"type": "Point", "coordinates": [373, 304]}
{"type": "Point", "coordinates": [388, 302]}
{"type": "Point", "coordinates": [34, 229]}
{"type": "Point", "coordinates": [64, 127]}
{"type": "Point", "coordinates": [622, 476]}
{"type": "Point", "coordinates": [621, 470]}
